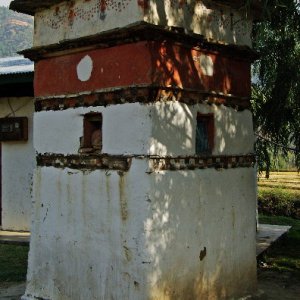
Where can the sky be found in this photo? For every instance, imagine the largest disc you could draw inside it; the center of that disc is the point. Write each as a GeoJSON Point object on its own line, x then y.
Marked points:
{"type": "Point", "coordinates": [4, 2]}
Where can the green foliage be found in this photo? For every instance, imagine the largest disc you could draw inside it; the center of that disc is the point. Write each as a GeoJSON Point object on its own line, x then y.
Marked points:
{"type": "Point", "coordinates": [279, 202]}
{"type": "Point", "coordinates": [279, 162]}
{"type": "Point", "coordinates": [285, 255]}
{"type": "Point", "coordinates": [13, 263]}
{"type": "Point", "coordinates": [283, 162]}
{"type": "Point", "coordinates": [276, 93]}
{"type": "Point", "coordinates": [16, 32]}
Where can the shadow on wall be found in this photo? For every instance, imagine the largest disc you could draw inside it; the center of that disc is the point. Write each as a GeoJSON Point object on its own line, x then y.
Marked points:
{"type": "Point", "coordinates": [174, 129]}
{"type": "Point", "coordinates": [173, 125]}
{"type": "Point", "coordinates": [198, 238]}
{"type": "Point", "coordinates": [214, 21]}
{"type": "Point", "coordinates": [198, 69]}
{"type": "Point", "coordinates": [183, 236]}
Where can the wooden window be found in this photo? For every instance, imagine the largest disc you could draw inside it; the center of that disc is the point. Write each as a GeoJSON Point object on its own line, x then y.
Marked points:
{"type": "Point", "coordinates": [14, 129]}
{"type": "Point", "coordinates": [92, 133]}
{"type": "Point", "coordinates": [204, 134]}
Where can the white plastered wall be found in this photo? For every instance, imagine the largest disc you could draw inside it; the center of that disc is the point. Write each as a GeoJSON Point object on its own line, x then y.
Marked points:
{"type": "Point", "coordinates": [139, 236]}
{"type": "Point", "coordinates": [54, 25]}
{"type": "Point", "coordinates": [66, 21]}
{"type": "Point", "coordinates": [163, 128]}
{"type": "Point", "coordinates": [153, 235]}
{"type": "Point", "coordinates": [200, 234]}
{"type": "Point", "coordinates": [18, 162]}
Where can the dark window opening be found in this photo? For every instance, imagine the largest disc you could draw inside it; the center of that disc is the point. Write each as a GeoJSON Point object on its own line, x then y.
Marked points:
{"type": "Point", "coordinates": [204, 133]}
{"type": "Point", "coordinates": [14, 129]}
{"type": "Point", "coordinates": [92, 133]}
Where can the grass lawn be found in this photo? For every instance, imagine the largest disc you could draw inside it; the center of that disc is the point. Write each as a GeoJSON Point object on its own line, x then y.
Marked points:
{"type": "Point", "coordinates": [13, 263]}
{"type": "Point", "coordinates": [285, 254]}
{"type": "Point", "coordinates": [279, 203]}
{"type": "Point", "coordinates": [279, 194]}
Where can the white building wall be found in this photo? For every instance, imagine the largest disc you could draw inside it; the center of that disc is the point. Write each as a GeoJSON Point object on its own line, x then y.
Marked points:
{"type": "Point", "coordinates": [107, 234]}
{"type": "Point", "coordinates": [200, 234]}
{"type": "Point", "coordinates": [174, 129]}
{"type": "Point", "coordinates": [18, 161]}
{"type": "Point", "coordinates": [163, 128]}
{"type": "Point", "coordinates": [111, 235]}
{"type": "Point", "coordinates": [70, 20]}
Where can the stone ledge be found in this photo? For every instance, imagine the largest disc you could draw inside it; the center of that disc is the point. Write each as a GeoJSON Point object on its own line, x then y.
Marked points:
{"type": "Point", "coordinates": [123, 163]}
{"type": "Point", "coordinates": [202, 162]}
{"type": "Point", "coordinates": [85, 161]}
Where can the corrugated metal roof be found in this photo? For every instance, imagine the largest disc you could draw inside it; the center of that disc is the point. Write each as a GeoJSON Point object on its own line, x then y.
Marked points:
{"type": "Point", "coordinates": [15, 65]}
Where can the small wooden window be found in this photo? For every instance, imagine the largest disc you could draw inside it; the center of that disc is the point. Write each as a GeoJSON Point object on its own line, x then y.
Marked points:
{"type": "Point", "coordinates": [204, 134]}
{"type": "Point", "coordinates": [14, 129]}
{"type": "Point", "coordinates": [92, 133]}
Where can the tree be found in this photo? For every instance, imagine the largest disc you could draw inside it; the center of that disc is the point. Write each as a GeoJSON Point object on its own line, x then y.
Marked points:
{"type": "Point", "coordinates": [276, 91]}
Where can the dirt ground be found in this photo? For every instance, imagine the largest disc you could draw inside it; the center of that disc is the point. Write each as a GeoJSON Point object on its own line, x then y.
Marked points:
{"type": "Point", "coordinates": [275, 285]}
{"type": "Point", "coordinates": [271, 286]}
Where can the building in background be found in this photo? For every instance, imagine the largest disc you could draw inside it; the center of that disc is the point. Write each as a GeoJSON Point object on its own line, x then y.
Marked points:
{"type": "Point", "coordinates": [16, 143]}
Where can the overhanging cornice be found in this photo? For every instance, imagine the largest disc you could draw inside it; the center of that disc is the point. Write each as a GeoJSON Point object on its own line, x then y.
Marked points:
{"type": "Point", "coordinates": [30, 7]}
{"type": "Point", "coordinates": [140, 31]}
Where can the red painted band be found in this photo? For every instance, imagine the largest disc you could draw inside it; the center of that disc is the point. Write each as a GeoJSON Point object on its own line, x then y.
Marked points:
{"type": "Point", "coordinates": [143, 63]}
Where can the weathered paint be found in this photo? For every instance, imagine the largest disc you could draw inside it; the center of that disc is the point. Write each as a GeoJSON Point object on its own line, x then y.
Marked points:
{"type": "Point", "coordinates": [199, 244]}
{"type": "Point", "coordinates": [164, 129]}
{"type": "Point", "coordinates": [142, 233]}
{"type": "Point", "coordinates": [144, 63]}
{"type": "Point", "coordinates": [75, 19]}
{"type": "Point", "coordinates": [18, 161]}
{"type": "Point", "coordinates": [82, 18]}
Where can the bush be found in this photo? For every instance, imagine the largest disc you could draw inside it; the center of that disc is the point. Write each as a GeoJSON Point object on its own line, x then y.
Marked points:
{"type": "Point", "coordinates": [278, 202]}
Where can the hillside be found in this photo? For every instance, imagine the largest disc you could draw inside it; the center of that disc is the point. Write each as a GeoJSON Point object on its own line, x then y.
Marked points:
{"type": "Point", "coordinates": [15, 32]}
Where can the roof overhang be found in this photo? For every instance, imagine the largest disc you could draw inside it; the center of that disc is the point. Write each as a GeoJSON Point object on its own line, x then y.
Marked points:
{"type": "Point", "coordinates": [16, 85]}
{"type": "Point", "coordinates": [16, 78]}
{"type": "Point", "coordinates": [30, 7]}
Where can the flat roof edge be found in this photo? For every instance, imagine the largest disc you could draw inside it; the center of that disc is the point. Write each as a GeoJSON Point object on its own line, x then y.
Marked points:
{"type": "Point", "coordinates": [30, 7]}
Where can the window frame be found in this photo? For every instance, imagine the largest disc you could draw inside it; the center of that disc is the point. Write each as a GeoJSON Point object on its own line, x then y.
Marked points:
{"type": "Point", "coordinates": [91, 122]}
{"type": "Point", "coordinates": [208, 118]}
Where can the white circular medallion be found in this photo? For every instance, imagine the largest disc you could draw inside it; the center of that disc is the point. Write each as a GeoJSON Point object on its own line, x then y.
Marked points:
{"type": "Point", "coordinates": [207, 65]}
{"type": "Point", "coordinates": [85, 68]}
